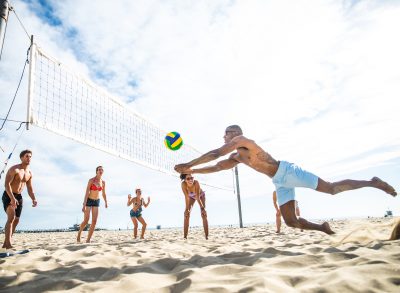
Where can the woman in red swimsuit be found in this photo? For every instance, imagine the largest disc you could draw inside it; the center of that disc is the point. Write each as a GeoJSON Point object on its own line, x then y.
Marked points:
{"type": "Point", "coordinates": [192, 191]}
{"type": "Point", "coordinates": [92, 202]}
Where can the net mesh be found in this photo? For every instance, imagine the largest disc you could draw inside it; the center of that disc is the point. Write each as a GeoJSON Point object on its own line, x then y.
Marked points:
{"type": "Point", "coordinates": [66, 103]}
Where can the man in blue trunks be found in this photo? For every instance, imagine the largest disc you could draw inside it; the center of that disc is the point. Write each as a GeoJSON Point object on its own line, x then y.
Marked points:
{"type": "Point", "coordinates": [285, 176]}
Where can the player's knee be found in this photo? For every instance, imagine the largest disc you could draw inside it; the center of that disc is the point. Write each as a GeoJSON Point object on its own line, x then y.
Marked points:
{"type": "Point", "coordinates": [291, 222]}
{"type": "Point", "coordinates": [16, 221]}
{"type": "Point", "coordinates": [330, 188]}
{"type": "Point", "coordinates": [10, 220]}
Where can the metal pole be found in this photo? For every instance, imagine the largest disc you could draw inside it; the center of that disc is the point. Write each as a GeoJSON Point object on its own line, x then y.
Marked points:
{"type": "Point", "coordinates": [3, 22]}
{"type": "Point", "coordinates": [32, 61]}
{"type": "Point", "coordinates": [238, 196]}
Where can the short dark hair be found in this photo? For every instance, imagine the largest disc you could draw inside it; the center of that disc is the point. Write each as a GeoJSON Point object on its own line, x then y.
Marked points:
{"type": "Point", "coordinates": [235, 128]}
{"type": "Point", "coordinates": [24, 152]}
{"type": "Point", "coordinates": [98, 167]}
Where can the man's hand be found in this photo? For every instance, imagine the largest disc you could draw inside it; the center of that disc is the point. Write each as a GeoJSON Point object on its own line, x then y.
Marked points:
{"type": "Point", "coordinates": [14, 203]}
{"type": "Point", "coordinates": [129, 196]}
{"type": "Point", "coordinates": [183, 169]}
{"type": "Point", "coordinates": [34, 202]}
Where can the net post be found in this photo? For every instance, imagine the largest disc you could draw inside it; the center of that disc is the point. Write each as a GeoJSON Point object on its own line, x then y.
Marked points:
{"type": "Point", "coordinates": [4, 11]}
{"type": "Point", "coordinates": [238, 197]}
{"type": "Point", "coordinates": [32, 60]}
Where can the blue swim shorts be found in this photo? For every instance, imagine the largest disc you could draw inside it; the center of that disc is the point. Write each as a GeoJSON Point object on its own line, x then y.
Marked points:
{"type": "Point", "coordinates": [136, 214]}
{"type": "Point", "coordinates": [93, 202]}
{"type": "Point", "coordinates": [287, 177]}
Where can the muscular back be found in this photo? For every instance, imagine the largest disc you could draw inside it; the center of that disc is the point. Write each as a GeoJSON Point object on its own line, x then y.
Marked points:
{"type": "Point", "coordinates": [17, 178]}
{"type": "Point", "coordinates": [251, 154]}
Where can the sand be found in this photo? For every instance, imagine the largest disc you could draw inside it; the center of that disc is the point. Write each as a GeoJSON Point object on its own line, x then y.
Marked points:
{"type": "Point", "coordinates": [357, 259]}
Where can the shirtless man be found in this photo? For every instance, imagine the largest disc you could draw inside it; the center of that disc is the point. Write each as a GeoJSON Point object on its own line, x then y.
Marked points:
{"type": "Point", "coordinates": [285, 176]}
{"type": "Point", "coordinates": [16, 178]}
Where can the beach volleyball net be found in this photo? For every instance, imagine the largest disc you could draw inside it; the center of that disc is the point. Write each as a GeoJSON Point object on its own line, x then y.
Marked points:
{"type": "Point", "coordinates": [68, 104]}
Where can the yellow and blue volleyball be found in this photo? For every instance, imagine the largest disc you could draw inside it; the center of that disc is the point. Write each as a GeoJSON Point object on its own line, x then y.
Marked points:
{"type": "Point", "coordinates": [173, 141]}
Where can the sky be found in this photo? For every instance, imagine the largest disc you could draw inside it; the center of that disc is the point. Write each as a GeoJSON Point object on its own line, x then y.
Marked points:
{"type": "Point", "coordinates": [312, 82]}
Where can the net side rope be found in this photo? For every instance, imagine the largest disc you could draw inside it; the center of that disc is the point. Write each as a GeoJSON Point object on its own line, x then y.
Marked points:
{"type": "Point", "coordinates": [19, 84]}
{"type": "Point", "coordinates": [10, 155]}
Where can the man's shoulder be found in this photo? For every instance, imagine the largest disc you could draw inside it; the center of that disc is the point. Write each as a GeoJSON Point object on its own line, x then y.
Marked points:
{"type": "Point", "coordinates": [242, 138]}
{"type": "Point", "coordinates": [14, 168]}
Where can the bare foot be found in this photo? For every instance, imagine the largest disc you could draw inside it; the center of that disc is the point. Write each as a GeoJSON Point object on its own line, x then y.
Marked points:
{"type": "Point", "coordinates": [78, 239]}
{"type": "Point", "coordinates": [88, 241]}
{"type": "Point", "coordinates": [8, 246]}
{"type": "Point", "coordinates": [382, 185]}
{"type": "Point", "coordinates": [142, 237]}
{"type": "Point", "coordinates": [327, 228]}
{"type": "Point", "coordinates": [278, 232]}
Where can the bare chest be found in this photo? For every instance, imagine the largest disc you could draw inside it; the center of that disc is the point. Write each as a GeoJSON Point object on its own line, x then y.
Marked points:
{"type": "Point", "coordinates": [22, 176]}
{"type": "Point", "coordinates": [246, 157]}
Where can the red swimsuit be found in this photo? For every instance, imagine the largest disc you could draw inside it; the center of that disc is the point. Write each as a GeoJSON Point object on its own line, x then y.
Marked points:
{"type": "Point", "coordinates": [95, 187]}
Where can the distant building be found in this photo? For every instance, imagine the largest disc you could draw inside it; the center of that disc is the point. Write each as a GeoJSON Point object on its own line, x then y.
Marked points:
{"type": "Point", "coordinates": [388, 213]}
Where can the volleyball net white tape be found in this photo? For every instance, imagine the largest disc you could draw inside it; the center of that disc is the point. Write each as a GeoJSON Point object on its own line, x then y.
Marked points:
{"type": "Point", "coordinates": [70, 105]}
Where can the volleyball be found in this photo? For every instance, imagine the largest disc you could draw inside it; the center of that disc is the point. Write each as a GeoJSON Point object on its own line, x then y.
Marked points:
{"type": "Point", "coordinates": [173, 141]}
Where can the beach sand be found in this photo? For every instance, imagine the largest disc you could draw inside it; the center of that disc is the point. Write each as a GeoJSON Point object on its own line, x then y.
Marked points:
{"type": "Point", "coordinates": [356, 259]}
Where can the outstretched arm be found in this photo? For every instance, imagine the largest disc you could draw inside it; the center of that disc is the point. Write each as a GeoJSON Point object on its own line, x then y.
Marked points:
{"type": "Point", "coordinates": [220, 166]}
{"type": "Point", "coordinates": [212, 155]}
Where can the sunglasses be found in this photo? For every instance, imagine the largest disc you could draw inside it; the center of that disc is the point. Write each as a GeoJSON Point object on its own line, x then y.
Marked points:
{"type": "Point", "coordinates": [189, 178]}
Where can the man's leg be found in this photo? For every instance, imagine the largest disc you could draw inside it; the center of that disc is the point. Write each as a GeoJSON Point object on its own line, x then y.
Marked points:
{"type": "Point", "coordinates": [288, 211]}
{"type": "Point", "coordinates": [8, 229]}
{"type": "Point", "coordinates": [348, 184]}
{"type": "Point", "coordinates": [15, 223]}
{"type": "Point", "coordinates": [298, 212]}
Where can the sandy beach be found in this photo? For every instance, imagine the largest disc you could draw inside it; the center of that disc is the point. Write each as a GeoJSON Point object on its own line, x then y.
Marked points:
{"type": "Point", "coordinates": [356, 259]}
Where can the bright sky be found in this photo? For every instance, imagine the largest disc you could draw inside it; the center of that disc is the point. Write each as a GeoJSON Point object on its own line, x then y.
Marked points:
{"type": "Point", "coordinates": [313, 82]}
